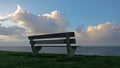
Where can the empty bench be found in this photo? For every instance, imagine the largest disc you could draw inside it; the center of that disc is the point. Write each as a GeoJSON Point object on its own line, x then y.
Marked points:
{"type": "Point", "coordinates": [67, 38]}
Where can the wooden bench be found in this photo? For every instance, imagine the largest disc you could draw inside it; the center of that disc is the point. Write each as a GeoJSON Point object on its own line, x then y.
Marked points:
{"type": "Point", "coordinates": [67, 38]}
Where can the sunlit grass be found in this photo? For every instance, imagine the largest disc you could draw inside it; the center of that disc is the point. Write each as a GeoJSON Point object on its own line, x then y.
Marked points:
{"type": "Point", "coordinates": [27, 60]}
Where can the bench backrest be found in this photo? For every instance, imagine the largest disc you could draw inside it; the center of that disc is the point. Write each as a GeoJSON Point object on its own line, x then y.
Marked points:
{"type": "Point", "coordinates": [57, 38]}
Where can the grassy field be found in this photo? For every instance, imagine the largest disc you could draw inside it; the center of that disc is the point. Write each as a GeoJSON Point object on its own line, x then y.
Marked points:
{"type": "Point", "coordinates": [27, 60]}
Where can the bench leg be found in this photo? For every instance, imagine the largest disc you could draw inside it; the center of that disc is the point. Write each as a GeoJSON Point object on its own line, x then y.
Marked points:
{"type": "Point", "coordinates": [35, 49]}
{"type": "Point", "coordinates": [69, 48]}
{"type": "Point", "coordinates": [71, 51]}
{"type": "Point", "coordinates": [74, 49]}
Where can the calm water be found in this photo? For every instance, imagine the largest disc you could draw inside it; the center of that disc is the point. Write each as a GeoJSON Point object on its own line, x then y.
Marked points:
{"type": "Point", "coordinates": [84, 50]}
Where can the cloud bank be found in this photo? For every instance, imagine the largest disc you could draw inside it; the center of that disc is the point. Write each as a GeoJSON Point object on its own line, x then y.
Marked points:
{"type": "Point", "coordinates": [14, 31]}
{"type": "Point", "coordinates": [106, 34]}
{"type": "Point", "coordinates": [34, 24]}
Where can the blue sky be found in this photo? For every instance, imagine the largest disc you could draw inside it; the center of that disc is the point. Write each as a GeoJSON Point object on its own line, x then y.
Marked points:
{"type": "Point", "coordinates": [86, 12]}
{"type": "Point", "coordinates": [100, 18]}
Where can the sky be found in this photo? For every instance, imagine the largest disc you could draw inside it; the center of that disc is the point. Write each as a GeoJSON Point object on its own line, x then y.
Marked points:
{"type": "Point", "coordinates": [95, 22]}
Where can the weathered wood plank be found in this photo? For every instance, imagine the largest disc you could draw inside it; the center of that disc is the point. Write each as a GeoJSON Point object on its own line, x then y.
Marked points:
{"type": "Point", "coordinates": [56, 35]}
{"type": "Point", "coordinates": [59, 41]}
{"type": "Point", "coordinates": [53, 46]}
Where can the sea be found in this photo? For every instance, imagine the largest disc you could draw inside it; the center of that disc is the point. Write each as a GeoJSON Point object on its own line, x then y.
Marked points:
{"type": "Point", "coordinates": [82, 50]}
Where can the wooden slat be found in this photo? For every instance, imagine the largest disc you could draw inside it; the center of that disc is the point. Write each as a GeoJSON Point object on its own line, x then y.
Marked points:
{"type": "Point", "coordinates": [57, 35]}
{"type": "Point", "coordinates": [54, 46]}
{"type": "Point", "coordinates": [61, 41]}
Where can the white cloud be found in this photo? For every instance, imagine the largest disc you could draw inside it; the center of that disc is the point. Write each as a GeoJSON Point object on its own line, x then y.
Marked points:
{"type": "Point", "coordinates": [46, 23]}
{"type": "Point", "coordinates": [34, 24]}
{"type": "Point", "coordinates": [106, 34]}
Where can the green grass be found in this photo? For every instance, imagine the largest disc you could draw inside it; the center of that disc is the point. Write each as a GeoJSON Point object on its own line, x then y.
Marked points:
{"type": "Point", "coordinates": [27, 60]}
